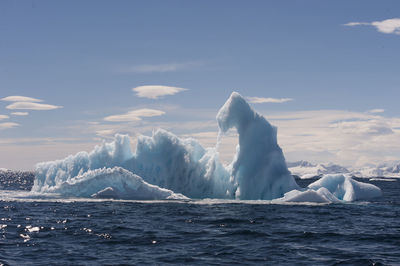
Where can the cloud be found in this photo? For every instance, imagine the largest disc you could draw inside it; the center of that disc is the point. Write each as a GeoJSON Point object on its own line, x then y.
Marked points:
{"type": "Point", "coordinates": [352, 24]}
{"type": "Point", "coordinates": [388, 26]}
{"type": "Point", "coordinates": [156, 91]}
{"type": "Point", "coordinates": [20, 113]}
{"type": "Point", "coordinates": [20, 99]}
{"type": "Point", "coordinates": [32, 106]}
{"type": "Point", "coordinates": [375, 111]}
{"type": "Point", "coordinates": [8, 125]}
{"type": "Point", "coordinates": [268, 100]}
{"type": "Point", "coordinates": [2, 117]}
{"type": "Point", "coordinates": [171, 67]}
{"type": "Point", "coordinates": [344, 137]}
{"type": "Point", "coordinates": [105, 133]}
{"type": "Point", "coordinates": [135, 115]}
{"type": "Point", "coordinates": [368, 127]}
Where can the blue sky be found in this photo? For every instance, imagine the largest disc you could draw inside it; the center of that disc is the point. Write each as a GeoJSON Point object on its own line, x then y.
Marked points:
{"type": "Point", "coordinates": [85, 57]}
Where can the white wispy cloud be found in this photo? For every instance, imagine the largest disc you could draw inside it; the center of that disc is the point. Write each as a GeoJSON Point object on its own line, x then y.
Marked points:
{"type": "Point", "coordinates": [2, 117]}
{"type": "Point", "coordinates": [170, 67]}
{"type": "Point", "coordinates": [376, 111]}
{"type": "Point", "coordinates": [105, 133]}
{"type": "Point", "coordinates": [268, 100]}
{"type": "Point", "coordinates": [32, 106]}
{"type": "Point", "coordinates": [388, 26]}
{"type": "Point", "coordinates": [134, 115]}
{"type": "Point", "coordinates": [8, 125]}
{"type": "Point", "coordinates": [20, 99]}
{"type": "Point", "coordinates": [20, 113]}
{"type": "Point", "coordinates": [156, 91]}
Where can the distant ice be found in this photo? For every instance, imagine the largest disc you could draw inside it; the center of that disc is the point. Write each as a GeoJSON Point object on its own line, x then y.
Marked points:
{"type": "Point", "coordinates": [388, 170]}
{"type": "Point", "coordinates": [306, 170]}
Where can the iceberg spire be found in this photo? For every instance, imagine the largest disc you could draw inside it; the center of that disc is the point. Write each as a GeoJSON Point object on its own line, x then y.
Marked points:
{"type": "Point", "coordinates": [259, 167]}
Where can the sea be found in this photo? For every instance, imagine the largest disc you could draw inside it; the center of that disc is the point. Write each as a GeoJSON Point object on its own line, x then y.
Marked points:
{"type": "Point", "coordinates": [40, 230]}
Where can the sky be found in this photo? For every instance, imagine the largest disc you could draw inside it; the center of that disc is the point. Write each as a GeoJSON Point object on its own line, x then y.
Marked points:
{"type": "Point", "coordinates": [74, 73]}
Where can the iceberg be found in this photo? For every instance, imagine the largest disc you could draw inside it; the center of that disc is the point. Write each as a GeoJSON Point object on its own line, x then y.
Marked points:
{"type": "Point", "coordinates": [346, 188]}
{"type": "Point", "coordinates": [333, 188]}
{"type": "Point", "coordinates": [165, 166]}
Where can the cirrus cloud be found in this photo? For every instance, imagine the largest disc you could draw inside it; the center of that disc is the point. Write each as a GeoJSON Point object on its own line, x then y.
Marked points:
{"type": "Point", "coordinates": [388, 26]}
{"type": "Point", "coordinates": [170, 67]}
{"type": "Point", "coordinates": [156, 91]}
{"type": "Point", "coordinates": [20, 113]}
{"type": "Point", "coordinates": [32, 106]}
{"type": "Point", "coordinates": [376, 111]}
{"type": "Point", "coordinates": [268, 100]}
{"type": "Point", "coordinates": [8, 125]}
{"type": "Point", "coordinates": [2, 117]}
{"type": "Point", "coordinates": [16, 98]}
{"type": "Point", "coordinates": [134, 115]}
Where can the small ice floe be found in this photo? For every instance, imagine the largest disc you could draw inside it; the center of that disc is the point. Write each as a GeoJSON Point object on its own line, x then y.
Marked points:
{"type": "Point", "coordinates": [383, 179]}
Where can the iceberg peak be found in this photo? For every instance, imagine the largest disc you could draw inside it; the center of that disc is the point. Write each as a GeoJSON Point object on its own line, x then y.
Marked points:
{"type": "Point", "coordinates": [259, 167]}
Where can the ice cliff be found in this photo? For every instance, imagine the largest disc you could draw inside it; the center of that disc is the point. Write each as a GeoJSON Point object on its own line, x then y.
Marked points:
{"type": "Point", "coordinates": [165, 166]}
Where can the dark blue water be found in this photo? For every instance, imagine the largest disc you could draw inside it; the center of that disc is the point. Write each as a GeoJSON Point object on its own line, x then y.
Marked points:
{"type": "Point", "coordinates": [65, 232]}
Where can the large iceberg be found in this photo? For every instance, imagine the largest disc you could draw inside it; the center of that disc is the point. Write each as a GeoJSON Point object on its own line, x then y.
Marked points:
{"type": "Point", "coordinates": [165, 166]}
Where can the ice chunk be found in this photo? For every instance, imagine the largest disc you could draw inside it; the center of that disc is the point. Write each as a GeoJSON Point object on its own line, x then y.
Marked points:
{"type": "Point", "coordinates": [115, 183]}
{"type": "Point", "coordinates": [259, 167]}
{"type": "Point", "coordinates": [322, 195]}
{"type": "Point", "coordinates": [333, 188]}
{"type": "Point", "coordinates": [345, 188]}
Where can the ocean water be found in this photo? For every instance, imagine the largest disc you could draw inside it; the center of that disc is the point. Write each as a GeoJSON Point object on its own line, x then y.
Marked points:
{"type": "Point", "coordinates": [37, 230]}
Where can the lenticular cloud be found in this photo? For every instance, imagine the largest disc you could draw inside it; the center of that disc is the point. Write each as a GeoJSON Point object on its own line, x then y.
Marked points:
{"type": "Point", "coordinates": [165, 166]}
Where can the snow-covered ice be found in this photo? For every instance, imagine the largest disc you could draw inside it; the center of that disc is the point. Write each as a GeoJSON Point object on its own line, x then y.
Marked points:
{"type": "Point", "coordinates": [306, 170]}
{"type": "Point", "coordinates": [388, 170]}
